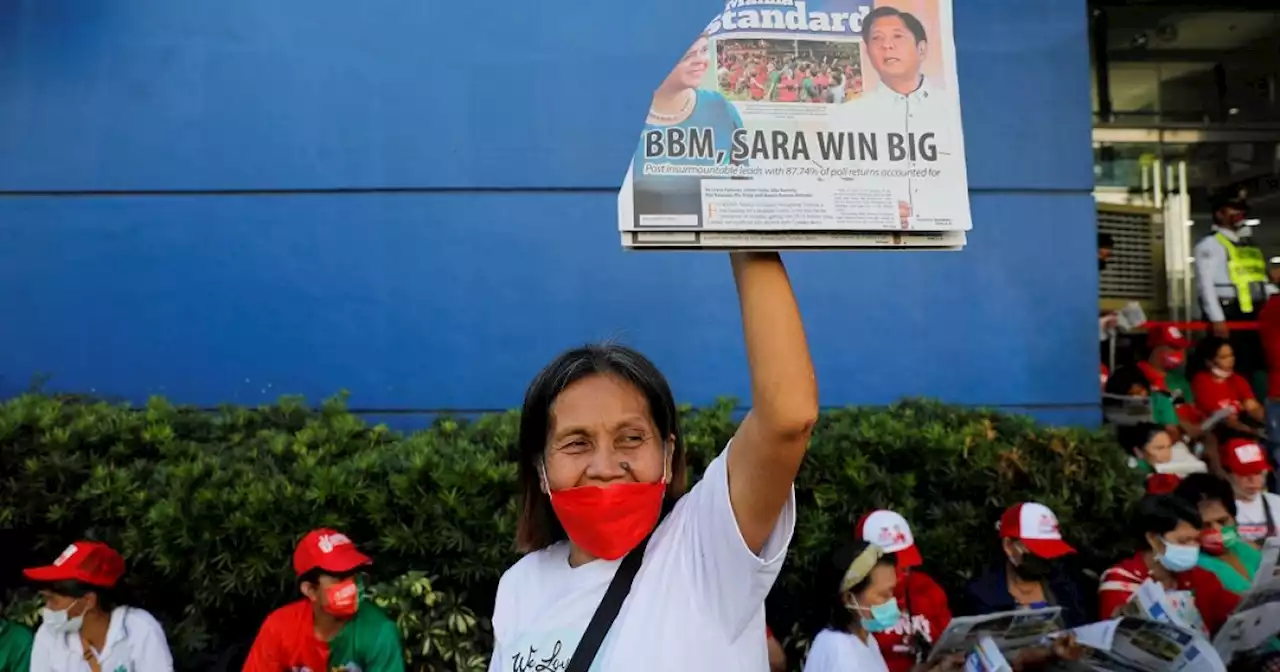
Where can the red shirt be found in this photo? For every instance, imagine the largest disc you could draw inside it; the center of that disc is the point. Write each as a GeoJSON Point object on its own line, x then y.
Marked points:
{"type": "Point", "coordinates": [930, 615]}
{"type": "Point", "coordinates": [287, 641]}
{"type": "Point", "coordinates": [1154, 376]}
{"type": "Point", "coordinates": [1119, 583]}
{"type": "Point", "coordinates": [1213, 393]}
{"type": "Point", "coordinates": [1269, 334]}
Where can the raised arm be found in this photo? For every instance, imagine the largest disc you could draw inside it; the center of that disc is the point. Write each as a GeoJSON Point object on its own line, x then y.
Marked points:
{"type": "Point", "coordinates": [770, 443]}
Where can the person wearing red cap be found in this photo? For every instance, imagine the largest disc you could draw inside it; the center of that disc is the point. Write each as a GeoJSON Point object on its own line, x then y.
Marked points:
{"type": "Point", "coordinates": [1028, 574]}
{"type": "Point", "coordinates": [923, 603]}
{"type": "Point", "coordinates": [1257, 511]}
{"type": "Point", "coordinates": [1168, 353]}
{"type": "Point", "coordinates": [83, 627]}
{"type": "Point", "coordinates": [1169, 530]}
{"type": "Point", "coordinates": [331, 627]}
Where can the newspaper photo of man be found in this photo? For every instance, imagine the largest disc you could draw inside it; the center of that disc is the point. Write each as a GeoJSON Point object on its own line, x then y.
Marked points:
{"type": "Point", "coordinates": [680, 107]}
{"type": "Point", "coordinates": [904, 100]}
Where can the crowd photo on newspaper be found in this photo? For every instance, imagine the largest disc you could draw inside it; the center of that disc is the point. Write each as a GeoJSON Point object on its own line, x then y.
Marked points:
{"type": "Point", "coordinates": [784, 125]}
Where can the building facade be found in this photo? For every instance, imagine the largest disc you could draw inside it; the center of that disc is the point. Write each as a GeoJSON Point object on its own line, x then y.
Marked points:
{"type": "Point", "coordinates": [225, 202]}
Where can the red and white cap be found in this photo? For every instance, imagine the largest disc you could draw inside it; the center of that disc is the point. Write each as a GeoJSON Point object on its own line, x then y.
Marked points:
{"type": "Point", "coordinates": [1170, 336]}
{"type": "Point", "coordinates": [89, 562]}
{"type": "Point", "coordinates": [329, 551]}
{"type": "Point", "coordinates": [1036, 527]}
{"type": "Point", "coordinates": [1243, 457]}
{"type": "Point", "coordinates": [891, 533]}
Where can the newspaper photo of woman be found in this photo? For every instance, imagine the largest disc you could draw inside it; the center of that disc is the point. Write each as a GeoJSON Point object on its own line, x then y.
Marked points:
{"type": "Point", "coordinates": [680, 103]}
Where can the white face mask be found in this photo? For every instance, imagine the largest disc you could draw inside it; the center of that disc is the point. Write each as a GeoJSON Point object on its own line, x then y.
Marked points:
{"type": "Point", "coordinates": [60, 622]}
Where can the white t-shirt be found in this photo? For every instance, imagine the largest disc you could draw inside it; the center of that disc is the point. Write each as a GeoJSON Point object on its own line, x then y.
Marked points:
{"type": "Point", "coordinates": [1251, 517]}
{"type": "Point", "coordinates": [135, 643]}
{"type": "Point", "coordinates": [835, 651]}
{"type": "Point", "coordinates": [697, 602]}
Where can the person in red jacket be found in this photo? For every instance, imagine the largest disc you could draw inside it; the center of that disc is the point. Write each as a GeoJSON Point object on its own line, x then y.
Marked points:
{"type": "Point", "coordinates": [1170, 529]}
{"type": "Point", "coordinates": [925, 612]}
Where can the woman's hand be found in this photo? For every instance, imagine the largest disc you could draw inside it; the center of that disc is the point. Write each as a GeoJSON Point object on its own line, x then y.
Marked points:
{"type": "Point", "coordinates": [1067, 648]}
{"type": "Point", "coordinates": [771, 441]}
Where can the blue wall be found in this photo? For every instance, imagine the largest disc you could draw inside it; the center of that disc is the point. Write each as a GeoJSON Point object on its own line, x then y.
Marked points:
{"type": "Point", "coordinates": [226, 201]}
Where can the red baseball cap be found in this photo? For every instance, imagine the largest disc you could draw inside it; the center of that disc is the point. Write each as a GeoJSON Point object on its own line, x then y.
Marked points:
{"type": "Point", "coordinates": [1243, 457]}
{"type": "Point", "coordinates": [1036, 527]}
{"type": "Point", "coordinates": [89, 562]}
{"type": "Point", "coordinates": [1170, 336]}
{"type": "Point", "coordinates": [327, 550]}
{"type": "Point", "coordinates": [890, 532]}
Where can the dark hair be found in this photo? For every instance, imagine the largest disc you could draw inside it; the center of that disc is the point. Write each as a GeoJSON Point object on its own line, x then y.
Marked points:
{"type": "Point", "coordinates": [1125, 377]}
{"type": "Point", "coordinates": [1105, 241]}
{"type": "Point", "coordinates": [538, 527]}
{"type": "Point", "coordinates": [1205, 351]}
{"type": "Point", "coordinates": [313, 575]}
{"type": "Point", "coordinates": [1161, 514]}
{"type": "Point", "coordinates": [1135, 437]}
{"type": "Point", "coordinates": [108, 598]}
{"type": "Point", "coordinates": [909, 20]}
{"type": "Point", "coordinates": [1197, 488]}
{"type": "Point", "coordinates": [841, 617]}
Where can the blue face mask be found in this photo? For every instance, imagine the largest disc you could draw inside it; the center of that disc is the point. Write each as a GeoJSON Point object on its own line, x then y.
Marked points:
{"type": "Point", "coordinates": [883, 617]}
{"type": "Point", "coordinates": [1178, 558]}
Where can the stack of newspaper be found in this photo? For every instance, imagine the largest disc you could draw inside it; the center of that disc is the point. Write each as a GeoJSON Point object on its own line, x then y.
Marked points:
{"type": "Point", "coordinates": [782, 127]}
{"type": "Point", "coordinates": [1253, 629]}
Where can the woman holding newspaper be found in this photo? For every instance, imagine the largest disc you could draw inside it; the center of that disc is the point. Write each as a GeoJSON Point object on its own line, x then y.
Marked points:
{"type": "Point", "coordinates": [863, 605]}
{"type": "Point", "coordinates": [675, 585]}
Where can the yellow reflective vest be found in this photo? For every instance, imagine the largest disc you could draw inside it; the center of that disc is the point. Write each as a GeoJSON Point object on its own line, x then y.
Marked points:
{"type": "Point", "coordinates": [1247, 270]}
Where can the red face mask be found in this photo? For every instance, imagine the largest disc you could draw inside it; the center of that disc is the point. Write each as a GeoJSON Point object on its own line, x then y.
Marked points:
{"type": "Point", "coordinates": [342, 599]}
{"type": "Point", "coordinates": [1172, 360]}
{"type": "Point", "coordinates": [1211, 542]}
{"type": "Point", "coordinates": [608, 522]}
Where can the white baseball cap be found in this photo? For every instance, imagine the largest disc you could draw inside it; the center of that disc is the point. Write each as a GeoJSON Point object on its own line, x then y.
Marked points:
{"type": "Point", "coordinates": [890, 532]}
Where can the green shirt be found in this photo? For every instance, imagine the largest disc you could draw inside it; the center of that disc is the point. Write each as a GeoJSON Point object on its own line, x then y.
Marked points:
{"type": "Point", "coordinates": [1230, 577]}
{"type": "Point", "coordinates": [1163, 412]}
{"type": "Point", "coordinates": [370, 642]}
{"type": "Point", "coordinates": [15, 647]}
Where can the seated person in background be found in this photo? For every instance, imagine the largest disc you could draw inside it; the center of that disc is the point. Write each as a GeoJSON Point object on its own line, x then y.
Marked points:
{"type": "Point", "coordinates": [1152, 453]}
{"type": "Point", "coordinates": [862, 603]}
{"type": "Point", "coordinates": [1258, 511]}
{"type": "Point", "coordinates": [1027, 575]}
{"type": "Point", "coordinates": [83, 627]}
{"type": "Point", "coordinates": [1168, 353]}
{"type": "Point", "coordinates": [1216, 385]}
{"type": "Point", "coordinates": [923, 603]}
{"type": "Point", "coordinates": [331, 627]}
{"type": "Point", "coordinates": [1128, 381]}
{"type": "Point", "coordinates": [1168, 530]}
{"type": "Point", "coordinates": [1232, 559]}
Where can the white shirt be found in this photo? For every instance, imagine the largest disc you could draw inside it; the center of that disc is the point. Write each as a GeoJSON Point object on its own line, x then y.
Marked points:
{"type": "Point", "coordinates": [1251, 517]}
{"type": "Point", "coordinates": [835, 651]}
{"type": "Point", "coordinates": [1213, 281]}
{"type": "Point", "coordinates": [135, 643]}
{"type": "Point", "coordinates": [697, 603]}
{"type": "Point", "coordinates": [927, 109]}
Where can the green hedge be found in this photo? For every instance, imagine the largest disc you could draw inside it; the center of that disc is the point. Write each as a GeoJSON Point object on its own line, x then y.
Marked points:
{"type": "Point", "coordinates": [207, 506]}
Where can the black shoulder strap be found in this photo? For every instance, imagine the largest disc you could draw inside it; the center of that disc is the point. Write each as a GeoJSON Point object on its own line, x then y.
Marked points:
{"type": "Point", "coordinates": [608, 610]}
{"type": "Point", "coordinates": [1266, 511]}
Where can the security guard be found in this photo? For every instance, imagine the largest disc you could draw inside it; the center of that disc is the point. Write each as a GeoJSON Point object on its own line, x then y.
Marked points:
{"type": "Point", "coordinates": [1231, 276]}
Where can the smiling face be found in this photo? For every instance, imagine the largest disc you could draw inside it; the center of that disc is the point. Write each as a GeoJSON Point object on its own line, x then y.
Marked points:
{"type": "Point", "coordinates": [602, 433]}
{"type": "Point", "coordinates": [693, 65]}
{"type": "Point", "coordinates": [895, 54]}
